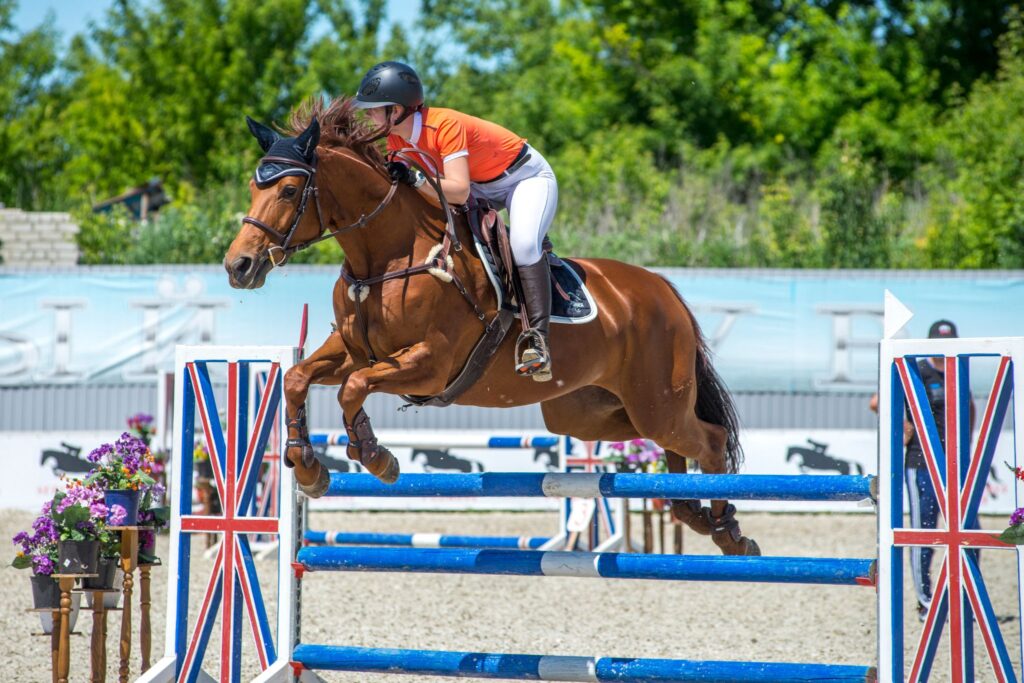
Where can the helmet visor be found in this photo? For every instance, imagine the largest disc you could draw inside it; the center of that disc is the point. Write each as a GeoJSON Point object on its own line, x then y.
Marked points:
{"type": "Point", "coordinates": [363, 104]}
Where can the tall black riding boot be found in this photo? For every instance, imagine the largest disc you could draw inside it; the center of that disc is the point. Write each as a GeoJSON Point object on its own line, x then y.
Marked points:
{"type": "Point", "coordinates": [533, 357]}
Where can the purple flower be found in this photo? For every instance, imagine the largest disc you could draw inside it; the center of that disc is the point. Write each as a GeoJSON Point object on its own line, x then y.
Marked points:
{"type": "Point", "coordinates": [99, 453]}
{"type": "Point", "coordinates": [118, 513]}
{"type": "Point", "coordinates": [42, 565]}
{"type": "Point", "coordinates": [98, 510]}
{"type": "Point", "coordinates": [45, 529]}
{"type": "Point", "coordinates": [1017, 517]}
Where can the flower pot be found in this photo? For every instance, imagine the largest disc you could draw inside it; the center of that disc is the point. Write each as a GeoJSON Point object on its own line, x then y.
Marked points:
{"type": "Point", "coordinates": [147, 547]}
{"type": "Point", "coordinates": [110, 600]}
{"type": "Point", "coordinates": [105, 580]}
{"type": "Point", "coordinates": [78, 557]}
{"type": "Point", "coordinates": [45, 591]}
{"type": "Point", "coordinates": [126, 498]}
{"type": "Point", "coordinates": [204, 470]}
{"type": "Point", "coordinates": [46, 618]}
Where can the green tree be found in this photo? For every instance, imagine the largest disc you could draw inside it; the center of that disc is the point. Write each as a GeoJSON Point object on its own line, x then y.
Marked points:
{"type": "Point", "coordinates": [27, 61]}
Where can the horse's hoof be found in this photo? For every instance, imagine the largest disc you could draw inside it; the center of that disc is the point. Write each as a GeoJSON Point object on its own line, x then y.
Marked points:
{"type": "Point", "coordinates": [384, 466]}
{"type": "Point", "coordinates": [752, 548]}
{"type": "Point", "coordinates": [318, 488]}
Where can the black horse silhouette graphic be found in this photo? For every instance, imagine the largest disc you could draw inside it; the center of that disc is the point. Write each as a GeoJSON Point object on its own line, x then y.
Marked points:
{"type": "Point", "coordinates": [67, 461]}
{"type": "Point", "coordinates": [815, 458]}
{"type": "Point", "coordinates": [549, 456]}
{"type": "Point", "coordinates": [433, 459]}
{"type": "Point", "coordinates": [343, 465]}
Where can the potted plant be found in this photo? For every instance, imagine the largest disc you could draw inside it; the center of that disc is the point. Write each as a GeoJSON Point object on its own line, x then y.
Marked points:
{"type": "Point", "coordinates": [38, 551]}
{"type": "Point", "coordinates": [141, 426]}
{"type": "Point", "coordinates": [636, 455]}
{"type": "Point", "coordinates": [110, 556]}
{"type": "Point", "coordinates": [153, 518]}
{"type": "Point", "coordinates": [201, 462]}
{"type": "Point", "coordinates": [123, 472]}
{"type": "Point", "coordinates": [79, 518]}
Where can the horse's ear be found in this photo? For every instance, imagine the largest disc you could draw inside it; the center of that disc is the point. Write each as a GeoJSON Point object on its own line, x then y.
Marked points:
{"type": "Point", "coordinates": [307, 142]}
{"type": "Point", "coordinates": [265, 136]}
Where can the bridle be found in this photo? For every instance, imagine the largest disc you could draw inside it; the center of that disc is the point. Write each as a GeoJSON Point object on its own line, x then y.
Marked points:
{"type": "Point", "coordinates": [283, 240]}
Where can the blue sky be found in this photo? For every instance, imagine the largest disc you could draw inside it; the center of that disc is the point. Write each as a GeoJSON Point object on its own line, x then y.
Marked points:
{"type": "Point", "coordinates": [73, 16]}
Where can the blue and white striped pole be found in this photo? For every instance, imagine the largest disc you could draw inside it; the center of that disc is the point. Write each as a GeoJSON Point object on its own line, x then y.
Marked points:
{"type": "Point", "coordinates": [447, 440]}
{"type": "Point", "coordinates": [804, 570]}
{"type": "Point", "coordinates": [560, 668]}
{"type": "Point", "coordinates": [558, 485]}
{"type": "Point", "coordinates": [424, 540]}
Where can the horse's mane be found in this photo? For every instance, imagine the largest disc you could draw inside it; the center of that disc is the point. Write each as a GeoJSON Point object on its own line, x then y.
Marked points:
{"type": "Point", "coordinates": [339, 127]}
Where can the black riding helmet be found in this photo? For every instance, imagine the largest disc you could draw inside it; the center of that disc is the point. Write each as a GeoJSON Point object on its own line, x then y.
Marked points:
{"type": "Point", "coordinates": [391, 84]}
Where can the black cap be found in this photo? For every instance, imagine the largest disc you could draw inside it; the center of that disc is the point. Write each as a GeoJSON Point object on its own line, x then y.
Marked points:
{"type": "Point", "coordinates": [942, 329]}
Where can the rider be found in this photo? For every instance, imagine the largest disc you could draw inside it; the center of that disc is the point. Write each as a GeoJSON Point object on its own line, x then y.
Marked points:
{"type": "Point", "coordinates": [471, 154]}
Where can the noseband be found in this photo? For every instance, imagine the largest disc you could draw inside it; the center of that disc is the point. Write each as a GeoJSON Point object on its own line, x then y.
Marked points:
{"type": "Point", "coordinates": [283, 240]}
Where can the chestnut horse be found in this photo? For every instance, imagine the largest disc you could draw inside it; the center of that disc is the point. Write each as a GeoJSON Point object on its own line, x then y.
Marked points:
{"type": "Point", "coordinates": [640, 369]}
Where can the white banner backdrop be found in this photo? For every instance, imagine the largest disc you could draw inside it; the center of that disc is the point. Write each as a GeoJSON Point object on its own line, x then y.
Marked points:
{"type": "Point", "coordinates": [35, 460]}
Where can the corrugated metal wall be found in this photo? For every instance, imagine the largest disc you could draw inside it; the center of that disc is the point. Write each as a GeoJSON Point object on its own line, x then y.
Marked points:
{"type": "Point", "coordinates": [105, 406]}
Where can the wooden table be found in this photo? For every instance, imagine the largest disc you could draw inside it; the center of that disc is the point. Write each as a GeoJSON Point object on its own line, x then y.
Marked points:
{"type": "Point", "coordinates": [54, 635]}
{"type": "Point", "coordinates": [145, 627]}
{"type": "Point", "coordinates": [129, 560]}
{"type": "Point", "coordinates": [98, 644]}
{"type": "Point", "coordinates": [63, 659]}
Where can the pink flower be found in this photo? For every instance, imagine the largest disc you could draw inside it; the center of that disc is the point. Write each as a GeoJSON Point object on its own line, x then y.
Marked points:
{"type": "Point", "coordinates": [118, 513]}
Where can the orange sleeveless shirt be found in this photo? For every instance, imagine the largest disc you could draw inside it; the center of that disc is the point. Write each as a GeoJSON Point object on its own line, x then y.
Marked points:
{"type": "Point", "coordinates": [445, 134]}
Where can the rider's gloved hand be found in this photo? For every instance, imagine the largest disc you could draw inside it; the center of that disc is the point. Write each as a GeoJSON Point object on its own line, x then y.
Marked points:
{"type": "Point", "coordinates": [401, 173]}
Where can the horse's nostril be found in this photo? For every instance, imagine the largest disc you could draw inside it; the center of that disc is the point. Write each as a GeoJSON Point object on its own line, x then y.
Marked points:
{"type": "Point", "coordinates": [241, 266]}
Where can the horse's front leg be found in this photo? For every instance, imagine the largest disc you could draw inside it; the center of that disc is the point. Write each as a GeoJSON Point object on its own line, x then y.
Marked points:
{"type": "Point", "coordinates": [413, 370]}
{"type": "Point", "coordinates": [328, 365]}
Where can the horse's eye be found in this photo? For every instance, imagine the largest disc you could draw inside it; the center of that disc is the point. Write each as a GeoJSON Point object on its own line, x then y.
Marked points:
{"type": "Point", "coordinates": [288, 192]}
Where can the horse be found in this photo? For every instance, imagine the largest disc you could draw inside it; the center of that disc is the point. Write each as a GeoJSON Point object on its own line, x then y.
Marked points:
{"type": "Point", "coordinates": [411, 304]}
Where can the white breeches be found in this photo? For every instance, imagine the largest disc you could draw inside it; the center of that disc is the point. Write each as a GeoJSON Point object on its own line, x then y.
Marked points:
{"type": "Point", "coordinates": [531, 196]}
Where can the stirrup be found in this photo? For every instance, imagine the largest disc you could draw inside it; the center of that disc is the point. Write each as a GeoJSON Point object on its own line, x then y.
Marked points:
{"type": "Point", "coordinates": [534, 360]}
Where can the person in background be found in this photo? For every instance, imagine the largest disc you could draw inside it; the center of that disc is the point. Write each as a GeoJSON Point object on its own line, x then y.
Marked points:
{"type": "Point", "coordinates": [924, 507]}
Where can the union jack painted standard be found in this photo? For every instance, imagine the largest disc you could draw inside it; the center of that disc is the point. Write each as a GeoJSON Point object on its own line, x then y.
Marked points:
{"type": "Point", "coordinates": [236, 438]}
{"type": "Point", "coordinates": [958, 473]}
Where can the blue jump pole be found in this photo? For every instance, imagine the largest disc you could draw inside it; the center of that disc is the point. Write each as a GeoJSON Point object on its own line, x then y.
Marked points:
{"type": "Point", "coordinates": [558, 668]}
{"type": "Point", "coordinates": [463, 441]}
{"type": "Point", "coordinates": [674, 486]}
{"type": "Point", "coordinates": [806, 570]}
{"type": "Point", "coordinates": [424, 540]}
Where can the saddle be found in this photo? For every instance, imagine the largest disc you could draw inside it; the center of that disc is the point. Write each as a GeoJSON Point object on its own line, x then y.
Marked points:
{"type": "Point", "coordinates": [571, 302]}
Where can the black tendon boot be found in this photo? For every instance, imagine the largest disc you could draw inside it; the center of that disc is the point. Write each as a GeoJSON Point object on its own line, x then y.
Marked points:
{"type": "Point", "coordinates": [532, 353]}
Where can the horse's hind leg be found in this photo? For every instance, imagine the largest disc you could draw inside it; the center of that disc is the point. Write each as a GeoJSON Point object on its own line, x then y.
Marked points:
{"type": "Point", "coordinates": [659, 392]}
{"type": "Point", "coordinates": [719, 520]}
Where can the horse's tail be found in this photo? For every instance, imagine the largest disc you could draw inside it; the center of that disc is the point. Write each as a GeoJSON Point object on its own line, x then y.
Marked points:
{"type": "Point", "coordinates": [860, 468]}
{"type": "Point", "coordinates": [714, 402]}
